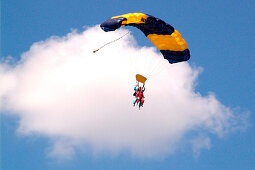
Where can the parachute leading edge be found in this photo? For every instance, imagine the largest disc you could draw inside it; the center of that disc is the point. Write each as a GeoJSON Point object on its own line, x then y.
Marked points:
{"type": "Point", "coordinates": [168, 40]}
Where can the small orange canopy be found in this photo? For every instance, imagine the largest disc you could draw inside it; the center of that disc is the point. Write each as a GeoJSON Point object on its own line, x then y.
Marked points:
{"type": "Point", "coordinates": [140, 78]}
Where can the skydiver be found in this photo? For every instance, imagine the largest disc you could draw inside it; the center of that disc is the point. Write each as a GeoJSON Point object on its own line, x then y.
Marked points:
{"type": "Point", "coordinates": [139, 97]}
{"type": "Point", "coordinates": [136, 89]}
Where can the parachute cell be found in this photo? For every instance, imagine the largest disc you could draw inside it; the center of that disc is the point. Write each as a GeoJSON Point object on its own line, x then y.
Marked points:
{"type": "Point", "coordinates": [168, 40]}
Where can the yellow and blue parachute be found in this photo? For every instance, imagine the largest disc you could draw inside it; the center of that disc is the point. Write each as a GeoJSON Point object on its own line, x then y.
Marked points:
{"type": "Point", "coordinates": [168, 40]}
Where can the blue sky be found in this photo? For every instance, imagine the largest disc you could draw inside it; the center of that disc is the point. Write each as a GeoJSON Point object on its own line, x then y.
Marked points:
{"type": "Point", "coordinates": [220, 35]}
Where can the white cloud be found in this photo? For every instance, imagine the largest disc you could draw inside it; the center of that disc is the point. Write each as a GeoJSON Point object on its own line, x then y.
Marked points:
{"type": "Point", "coordinates": [62, 149]}
{"type": "Point", "coordinates": [62, 90]}
{"type": "Point", "coordinates": [200, 142]}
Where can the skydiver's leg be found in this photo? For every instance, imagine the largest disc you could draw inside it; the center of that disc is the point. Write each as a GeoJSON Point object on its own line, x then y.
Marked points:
{"type": "Point", "coordinates": [138, 100]}
{"type": "Point", "coordinates": [140, 104]}
{"type": "Point", "coordinates": [142, 101]}
{"type": "Point", "coordinates": [134, 101]}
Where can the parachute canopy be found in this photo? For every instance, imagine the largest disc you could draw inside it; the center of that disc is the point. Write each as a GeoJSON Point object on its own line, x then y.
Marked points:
{"type": "Point", "coordinates": [168, 40]}
{"type": "Point", "coordinates": [140, 78]}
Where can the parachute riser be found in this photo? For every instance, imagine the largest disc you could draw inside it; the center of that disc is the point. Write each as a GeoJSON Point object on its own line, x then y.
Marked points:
{"type": "Point", "coordinates": [110, 42]}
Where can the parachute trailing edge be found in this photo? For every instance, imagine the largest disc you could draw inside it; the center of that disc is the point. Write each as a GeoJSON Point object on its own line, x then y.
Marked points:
{"type": "Point", "coordinates": [168, 40]}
